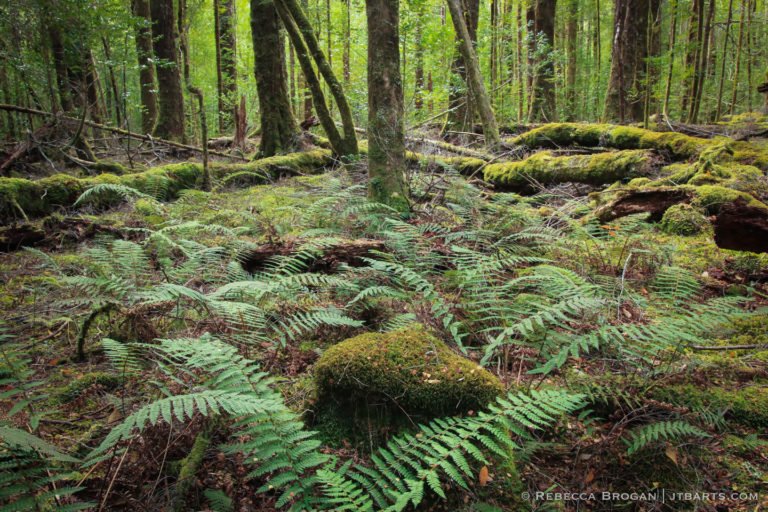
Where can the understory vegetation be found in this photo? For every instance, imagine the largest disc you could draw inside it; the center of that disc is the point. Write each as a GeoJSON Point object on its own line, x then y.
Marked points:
{"type": "Point", "coordinates": [191, 354]}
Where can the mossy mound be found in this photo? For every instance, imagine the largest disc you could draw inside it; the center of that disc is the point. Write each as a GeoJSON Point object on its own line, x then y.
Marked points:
{"type": "Point", "coordinates": [747, 406]}
{"type": "Point", "coordinates": [548, 169]}
{"type": "Point", "coordinates": [409, 369]}
{"type": "Point", "coordinates": [683, 219]}
{"type": "Point", "coordinates": [32, 198]}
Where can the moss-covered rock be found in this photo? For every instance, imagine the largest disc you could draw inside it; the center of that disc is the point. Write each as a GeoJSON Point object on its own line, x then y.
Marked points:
{"type": "Point", "coordinates": [409, 369]}
{"type": "Point", "coordinates": [548, 169]}
{"type": "Point", "coordinates": [683, 219]}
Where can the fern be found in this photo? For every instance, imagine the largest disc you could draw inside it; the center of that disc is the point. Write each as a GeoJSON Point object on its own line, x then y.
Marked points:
{"type": "Point", "coordinates": [641, 437]}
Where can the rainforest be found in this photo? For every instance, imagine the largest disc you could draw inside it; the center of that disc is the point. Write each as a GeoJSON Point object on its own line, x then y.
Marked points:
{"type": "Point", "coordinates": [384, 255]}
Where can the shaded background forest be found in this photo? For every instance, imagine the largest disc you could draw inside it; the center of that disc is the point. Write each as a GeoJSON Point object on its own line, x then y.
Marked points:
{"type": "Point", "coordinates": [706, 58]}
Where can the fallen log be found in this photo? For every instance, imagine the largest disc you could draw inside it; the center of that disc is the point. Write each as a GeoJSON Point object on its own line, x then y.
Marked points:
{"type": "Point", "coordinates": [740, 221]}
{"type": "Point", "coordinates": [545, 168]}
{"type": "Point", "coordinates": [327, 258]}
{"type": "Point", "coordinates": [53, 232]}
{"type": "Point", "coordinates": [22, 198]}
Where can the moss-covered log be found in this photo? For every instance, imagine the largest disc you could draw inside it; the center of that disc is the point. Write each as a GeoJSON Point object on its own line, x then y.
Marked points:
{"type": "Point", "coordinates": [22, 198]}
{"type": "Point", "coordinates": [676, 145]}
{"type": "Point", "coordinates": [740, 220]}
{"type": "Point", "coordinates": [545, 168]}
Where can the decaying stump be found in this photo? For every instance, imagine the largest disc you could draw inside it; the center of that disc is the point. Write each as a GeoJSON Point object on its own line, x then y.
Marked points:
{"type": "Point", "coordinates": [742, 227]}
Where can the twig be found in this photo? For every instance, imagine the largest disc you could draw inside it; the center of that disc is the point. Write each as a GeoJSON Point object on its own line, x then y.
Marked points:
{"type": "Point", "coordinates": [730, 347]}
{"type": "Point", "coordinates": [119, 131]}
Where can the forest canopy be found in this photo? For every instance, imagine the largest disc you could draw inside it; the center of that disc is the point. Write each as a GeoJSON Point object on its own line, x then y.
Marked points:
{"type": "Point", "coordinates": [367, 255]}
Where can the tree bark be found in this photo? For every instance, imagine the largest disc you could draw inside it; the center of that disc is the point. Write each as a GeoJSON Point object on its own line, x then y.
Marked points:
{"type": "Point", "coordinates": [226, 61]}
{"type": "Point", "coordinates": [474, 79]}
{"type": "Point", "coordinates": [726, 38]}
{"type": "Point", "coordinates": [461, 116]}
{"type": "Point", "coordinates": [386, 125]}
{"type": "Point", "coordinates": [145, 52]}
{"type": "Point", "coordinates": [170, 124]}
{"type": "Point", "coordinates": [571, 31]}
{"type": "Point", "coordinates": [701, 66]}
{"type": "Point", "coordinates": [739, 46]}
{"type": "Point", "coordinates": [349, 141]}
{"type": "Point", "coordinates": [631, 44]}
{"type": "Point", "coordinates": [543, 102]}
{"type": "Point", "coordinates": [279, 132]}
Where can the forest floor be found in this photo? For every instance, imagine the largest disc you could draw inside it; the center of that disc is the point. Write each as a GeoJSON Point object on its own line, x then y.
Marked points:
{"type": "Point", "coordinates": [653, 318]}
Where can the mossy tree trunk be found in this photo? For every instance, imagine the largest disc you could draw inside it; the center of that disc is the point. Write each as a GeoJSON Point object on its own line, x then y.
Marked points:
{"type": "Point", "coordinates": [543, 101]}
{"type": "Point", "coordinates": [474, 78]}
{"type": "Point", "coordinates": [226, 61]}
{"type": "Point", "coordinates": [279, 132]}
{"type": "Point", "coordinates": [461, 116]}
{"type": "Point", "coordinates": [628, 81]}
{"type": "Point", "coordinates": [145, 51]}
{"type": "Point", "coordinates": [386, 129]}
{"type": "Point", "coordinates": [313, 82]}
{"type": "Point", "coordinates": [348, 144]}
{"type": "Point", "coordinates": [170, 124]}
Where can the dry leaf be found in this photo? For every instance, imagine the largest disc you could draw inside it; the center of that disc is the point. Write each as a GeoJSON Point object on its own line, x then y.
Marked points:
{"type": "Point", "coordinates": [590, 476]}
{"type": "Point", "coordinates": [671, 452]}
{"type": "Point", "coordinates": [483, 477]}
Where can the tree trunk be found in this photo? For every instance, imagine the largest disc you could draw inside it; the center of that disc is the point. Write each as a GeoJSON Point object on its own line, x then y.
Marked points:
{"type": "Point", "coordinates": [349, 141]}
{"type": "Point", "coordinates": [461, 117]}
{"type": "Point", "coordinates": [543, 104]}
{"type": "Point", "coordinates": [692, 53]}
{"type": "Point", "coordinates": [571, 31]}
{"type": "Point", "coordinates": [279, 133]}
{"type": "Point", "coordinates": [386, 126]}
{"type": "Point", "coordinates": [474, 78]}
{"type": "Point", "coordinates": [112, 81]}
{"type": "Point", "coordinates": [739, 46]}
{"type": "Point", "coordinates": [170, 124]}
{"type": "Point", "coordinates": [226, 61]}
{"type": "Point", "coordinates": [631, 44]}
{"type": "Point", "coordinates": [347, 41]}
{"type": "Point", "coordinates": [671, 66]}
{"type": "Point", "coordinates": [701, 66]}
{"type": "Point", "coordinates": [726, 38]}
{"type": "Point", "coordinates": [418, 93]}
{"type": "Point", "coordinates": [145, 53]}
{"type": "Point", "coordinates": [60, 66]}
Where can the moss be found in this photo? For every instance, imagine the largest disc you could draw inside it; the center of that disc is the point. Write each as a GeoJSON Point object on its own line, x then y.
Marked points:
{"type": "Point", "coordinates": [27, 198]}
{"type": "Point", "coordinates": [638, 182]}
{"type": "Point", "coordinates": [620, 137]}
{"type": "Point", "coordinates": [409, 368]}
{"type": "Point", "coordinates": [683, 219]}
{"type": "Point", "coordinates": [547, 169]}
{"type": "Point", "coordinates": [77, 387]}
{"type": "Point", "coordinates": [747, 406]}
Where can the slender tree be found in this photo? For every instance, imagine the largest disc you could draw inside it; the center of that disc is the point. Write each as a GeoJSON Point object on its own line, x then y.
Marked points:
{"type": "Point", "coordinates": [631, 47]}
{"type": "Point", "coordinates": [170, 123]}
{"type": "Point", "coordinates": [461, 116]}
{"type": "Point", "coordinates": [475, 84]}
{"type": "Point", "coordinates": [145, 52]}
{"type": "Point", "coordinates": [279, 132]}
{"type": "Point", "coordinates": [226, 61]}
{"type": "Point", "coordinates": [543, 101]}
{"type": "Point", "coordinates": [386, 126]}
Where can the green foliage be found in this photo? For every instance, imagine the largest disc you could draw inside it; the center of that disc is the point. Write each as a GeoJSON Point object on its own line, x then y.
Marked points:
{"type": "Point", "coordinates": [639, 438]}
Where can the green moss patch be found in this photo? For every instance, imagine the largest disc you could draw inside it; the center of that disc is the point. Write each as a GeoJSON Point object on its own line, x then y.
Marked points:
{"type": "Point", "coordinates": [683, 219]}
{"type": "Point", "coordinates": [548, 169]}
{"type": "Point", "coordinates": [409, 369]}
